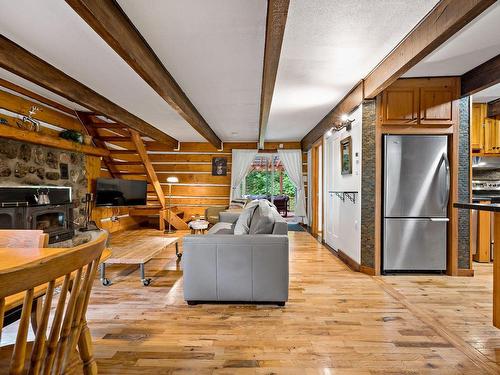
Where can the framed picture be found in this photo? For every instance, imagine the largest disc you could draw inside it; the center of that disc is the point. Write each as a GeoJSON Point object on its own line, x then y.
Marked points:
{"type": "Point", "coordinates": [219, 166]}
{"type": "Point", "coordinates": [346, 155]}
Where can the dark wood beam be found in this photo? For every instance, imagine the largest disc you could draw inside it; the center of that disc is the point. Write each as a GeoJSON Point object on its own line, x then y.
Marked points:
{"type": "Point", "coordinates": [494, 108]}
{"type": "Point", "coordinates": [17, 60]}
{"type": "Point", "coordinates": [353, 99]}
{"type": "Point", "coordinates": [32, 95]}
{"type": "Point", "coordinates": [115, 28]}
{"type": "Point", "coordinates": [441, 23]}
{"type": "Point", "coordinates": [481, 77]}
{"type": "Point", "coordinates": [277, 11]}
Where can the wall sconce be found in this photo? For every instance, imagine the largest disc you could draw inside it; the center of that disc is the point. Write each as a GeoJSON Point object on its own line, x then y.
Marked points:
{"type": "Point", "coordinates": [344, 124]}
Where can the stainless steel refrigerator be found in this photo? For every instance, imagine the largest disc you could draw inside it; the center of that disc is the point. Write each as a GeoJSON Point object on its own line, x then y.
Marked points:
{"type": "Point", "coordinates": [416, 193]}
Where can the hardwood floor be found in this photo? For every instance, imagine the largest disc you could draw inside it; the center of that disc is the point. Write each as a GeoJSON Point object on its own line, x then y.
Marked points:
{"type": "Point", "coordinates": [336, 322]}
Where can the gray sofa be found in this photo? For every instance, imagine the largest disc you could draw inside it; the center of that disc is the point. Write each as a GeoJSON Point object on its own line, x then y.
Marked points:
{"type": "Point", "coordinates": [223, 267]}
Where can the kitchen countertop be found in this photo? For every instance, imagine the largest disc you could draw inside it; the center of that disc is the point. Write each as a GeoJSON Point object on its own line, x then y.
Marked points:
{"type": "Point", "coordinates": [477, 206]}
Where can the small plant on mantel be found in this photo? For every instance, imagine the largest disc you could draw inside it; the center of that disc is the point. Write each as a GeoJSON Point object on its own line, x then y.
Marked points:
{"type": "Point", "coordinates": [72, 135]}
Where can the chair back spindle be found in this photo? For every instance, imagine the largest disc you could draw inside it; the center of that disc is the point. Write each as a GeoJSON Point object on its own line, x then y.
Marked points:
{"type": "Point", "coordinates": [53, 350]}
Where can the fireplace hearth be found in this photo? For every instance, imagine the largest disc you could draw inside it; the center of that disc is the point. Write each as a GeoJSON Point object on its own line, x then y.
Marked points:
{"type": "Point", "coordinates": [19, 210]}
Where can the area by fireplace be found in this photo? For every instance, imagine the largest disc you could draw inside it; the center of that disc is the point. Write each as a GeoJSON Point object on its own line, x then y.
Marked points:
{"type": "Point", "coordinates": [19, 209]}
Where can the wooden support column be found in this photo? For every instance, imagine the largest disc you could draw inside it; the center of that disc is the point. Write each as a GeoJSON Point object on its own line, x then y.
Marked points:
{"type": "Point", "coordinates": [496, 273]}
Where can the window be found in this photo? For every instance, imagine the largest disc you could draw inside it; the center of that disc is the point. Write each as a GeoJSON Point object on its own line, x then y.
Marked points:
{"type": "Point", "coordinates": [268, 179]}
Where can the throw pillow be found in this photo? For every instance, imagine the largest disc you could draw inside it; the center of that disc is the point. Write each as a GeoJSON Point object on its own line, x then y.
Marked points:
{"type": "Point", "coordinates": [242, 225]}
{"type": "Point", "coordinates": [262, 220]}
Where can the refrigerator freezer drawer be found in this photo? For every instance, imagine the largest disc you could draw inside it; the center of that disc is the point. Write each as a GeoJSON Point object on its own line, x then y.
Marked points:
{"type": "Point", "coordinates": [414, 245]}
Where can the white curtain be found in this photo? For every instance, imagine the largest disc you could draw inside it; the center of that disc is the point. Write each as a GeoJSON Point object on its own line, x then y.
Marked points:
{"type": "Point", "coordinates": [292, 160]}
{"type": "Point", "coordinates": [241, 164]}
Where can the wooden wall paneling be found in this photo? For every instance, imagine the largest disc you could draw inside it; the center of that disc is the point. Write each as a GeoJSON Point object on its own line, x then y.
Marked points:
{"type": "Point", "coordinates": [49, 141]}
{"type": "Point", "coordinates": [19, 61]}
{"type": "Point", "coordinates": [14, 121]}
{"type": "Point", "coordinates": [32, 95]}
{"type": "Point", "coordinates": [22, 106]}
{"type": "Point", "coordinates": [93, 168]}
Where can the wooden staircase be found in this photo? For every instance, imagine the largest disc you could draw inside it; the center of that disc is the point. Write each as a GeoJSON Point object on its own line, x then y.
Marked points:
{"type": "Point", "coordinates": [129, 160]}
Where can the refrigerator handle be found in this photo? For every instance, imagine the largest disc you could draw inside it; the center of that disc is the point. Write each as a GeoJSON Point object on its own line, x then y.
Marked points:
{"type": "Point", "coordinates": [448, 180]}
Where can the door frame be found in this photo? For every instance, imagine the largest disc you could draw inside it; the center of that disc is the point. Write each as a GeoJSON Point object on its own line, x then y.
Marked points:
{"type": "Point", "coordinates": [316, 185]}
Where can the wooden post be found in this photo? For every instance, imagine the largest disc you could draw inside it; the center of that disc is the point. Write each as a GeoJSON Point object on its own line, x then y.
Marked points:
{"type": "Point", "coordinates": [496, 272]}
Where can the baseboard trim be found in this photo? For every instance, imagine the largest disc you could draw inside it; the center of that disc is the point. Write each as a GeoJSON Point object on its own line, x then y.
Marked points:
{"type": "Point", "coordinates": [465, 272]}
{"type": "Point", "coordinates": [351, 263]}
{"type": "Point", "coordinates": [367, 270]}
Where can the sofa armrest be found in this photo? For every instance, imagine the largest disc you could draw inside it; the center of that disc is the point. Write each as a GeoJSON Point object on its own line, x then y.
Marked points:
{"type": "Point", "coordinates": [229, 216]}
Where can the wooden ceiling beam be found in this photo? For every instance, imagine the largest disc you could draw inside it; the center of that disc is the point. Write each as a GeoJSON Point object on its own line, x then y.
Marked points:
{"type": "Point", "coordinates": [494, 108]}
{"type": "Point", "coordinates": [115, 28]}
{"type": "Point", "coordinates": [32, 95]}
{"type": "Point", "coordinates": [277, 11]}
{"type": "Point", "coordinates": [19, 61]}
{"type": "Point", "coordinates": [481, 77]}
{"type": "Point", "coordinates": [150, 171]}
{"type": "Point", "coordinates": [441, 23]}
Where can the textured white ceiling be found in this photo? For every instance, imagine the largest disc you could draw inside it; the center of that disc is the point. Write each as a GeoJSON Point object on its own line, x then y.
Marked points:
{"type": "Point", "coordinates": [214, 50]}
{"type": "Point", "coordinates": [54, 32]}
{"type": "Point", "coordinates": [487, 95]}
{"type": "Point", "coordinates": [330, 45]}
{"type": "Point", "coordinates": [476, 43]}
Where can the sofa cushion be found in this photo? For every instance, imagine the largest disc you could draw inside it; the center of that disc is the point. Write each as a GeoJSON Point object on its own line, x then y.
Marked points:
{"type": "Point", "coordinates": [221, 228]}
{"type": "Point", "coordinates": [242, 225]}
{"type": "Point", "coordinates": [263, 219]}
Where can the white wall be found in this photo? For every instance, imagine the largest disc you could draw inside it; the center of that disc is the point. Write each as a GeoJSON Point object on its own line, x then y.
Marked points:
{"type": "Point", "coordinates": [343, 219]}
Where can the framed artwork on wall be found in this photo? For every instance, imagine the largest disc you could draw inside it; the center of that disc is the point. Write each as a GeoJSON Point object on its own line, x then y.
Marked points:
{"type": "Point", "coordinates": [219, 166]}
{"type": "Point", "coordinates": [346, 155]}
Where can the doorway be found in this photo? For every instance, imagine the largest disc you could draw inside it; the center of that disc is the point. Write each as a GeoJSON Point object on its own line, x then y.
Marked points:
{"type": "Point", "coordinates": [269, 180]}
{"type": "Point", "coordinates": [317, 188]}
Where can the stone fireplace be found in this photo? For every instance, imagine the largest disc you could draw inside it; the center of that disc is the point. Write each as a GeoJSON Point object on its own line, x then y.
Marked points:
{"type": "Point", "coordinates": [23, 165]}
{"type": "Point", "coordinates": [19, 210]}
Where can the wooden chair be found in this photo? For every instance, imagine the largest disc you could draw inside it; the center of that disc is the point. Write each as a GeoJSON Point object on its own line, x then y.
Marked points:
{"type": "Point", "coordinates": [53, 350]}
{"type": "Point", "coordinates": [23, 238]}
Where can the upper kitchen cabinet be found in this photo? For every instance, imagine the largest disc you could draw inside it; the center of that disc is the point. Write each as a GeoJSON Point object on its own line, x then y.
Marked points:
{"type": "Point", "coordinates": [420, 102]}
{"type": "Point", "coordinates": [485, 131]}
{"type": "Point", "coordinates": [399, 106]}
{"type": "Point", "coordinates": [436, 106]}
{"type": "Point", "coordinates": [477, 127]}
{"type": "Point", "coordinates": [491, 136]}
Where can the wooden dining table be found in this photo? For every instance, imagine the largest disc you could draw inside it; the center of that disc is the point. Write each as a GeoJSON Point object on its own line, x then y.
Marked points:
{"type": "Point", "coordinates": [12, 258]}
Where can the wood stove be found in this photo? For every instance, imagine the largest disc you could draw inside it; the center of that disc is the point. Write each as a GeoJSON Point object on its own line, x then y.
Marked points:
{"type": "Point", "coordinates": [19, 210]}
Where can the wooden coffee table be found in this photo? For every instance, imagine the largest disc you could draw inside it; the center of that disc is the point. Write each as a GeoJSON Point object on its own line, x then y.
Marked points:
{"type": "Point", "coordinates": [134, 253]}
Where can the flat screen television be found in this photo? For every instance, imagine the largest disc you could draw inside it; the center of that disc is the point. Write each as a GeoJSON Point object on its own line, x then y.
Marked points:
{"type": "Point", "coordinates": [117, 192]}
